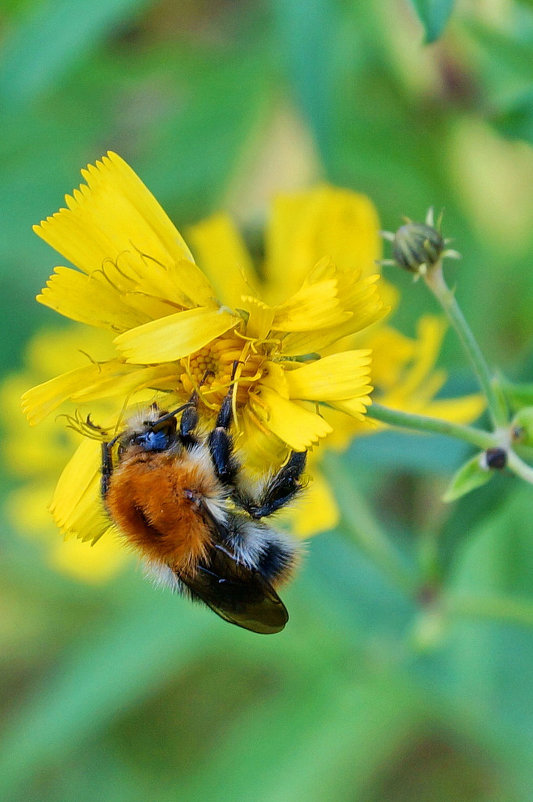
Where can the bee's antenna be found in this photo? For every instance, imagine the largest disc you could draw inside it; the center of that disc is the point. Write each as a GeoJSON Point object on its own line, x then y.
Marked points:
{"type": "Point", "coordinates": [173, 413]}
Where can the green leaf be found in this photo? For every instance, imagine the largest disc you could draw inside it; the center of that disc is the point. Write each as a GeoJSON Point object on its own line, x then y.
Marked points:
{"type": "Point", "coordinates": [107, 670]}
{"type": "Point", "coordinates": [51, 37]}
{"type": "Point", "coordinates": [322, 737]}
{"type": "Point", "coordinates": [469, 476]}
{"type": "Point", "coordinates": [498, 557]}
{"type": "Point", "coordinates": [308, 42]}
{"type": "Point", "coordinates": [516, 121]}
{"type": "Point", "coordinates": [489, 589]}
{"type": "Point", "coordinates": [517, 393]}
{"type": "Point", "coordinates": [433, 15]}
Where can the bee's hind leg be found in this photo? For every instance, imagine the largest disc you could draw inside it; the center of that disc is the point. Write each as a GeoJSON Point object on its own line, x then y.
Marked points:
{"type": "Point", "coordinates": [279, 489]}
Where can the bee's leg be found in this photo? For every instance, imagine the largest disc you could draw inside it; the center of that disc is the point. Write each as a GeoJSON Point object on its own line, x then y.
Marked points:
{"type": "Point", "coordinates": [107, 468]}
{"type": "Point", "coordinates": [189, 422]}
{"type": "Point", "coordinates": [221, 444]}
{"type": "Point", "coordinates": [189, 418]}
{"type": "Point", "coordinates": [279, 490]}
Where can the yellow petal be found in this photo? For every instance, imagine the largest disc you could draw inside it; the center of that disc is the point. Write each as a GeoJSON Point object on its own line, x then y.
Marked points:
{"type": "Point", "coordinates": [114, 213]}
{"type": "Point", "coordinates": [339, 376]}
{"type": "Point", "coordinates": [288, 420]}
{"type": "Point", "coordinates": [27, 508]}
{"type": "Point", "coordinates": [76, 506]}
{"type": "Point", "coordinates": [324, 221]}
{"type": "Point", "coordinates": [120, 379]}
{"type": "Point", "coordinates": [192, 281]}
{"type": "Point", "coordinates": [174, 336]}
{"type": "Point", "coordinates": [430, 333]}
{"type": "Point", "coordinates": [88, 562]}
{"type": "Point", "coordinates": [315, 510]}
{"type": "Point", "coordinates": [40, 401]}
{"type": "Point", "coordinates": [457, 410]}
{"type": "Point", "coordinates": [260, 317]}
{"type": "Point", "coordinates": [260, 451]}
{"type": "Point", "coordinates": [356, 407]}
{"type": "Point", "coordinates": [314, 306]}
{"type": "Point", "coordinates": [114, 226]}
{"type": "Point", "coordinates": [391, 352]}
{"type": "Point", "coordinates": [51, 351]}
{"type": "Point", "coordinates": [104, 380]}
{"type": "Point", "coordinates": [275, 376]}
{"type": "Point", "coordinates": [89, 299]}
{"type": "Point", "coordinates": [361, 307]}
{"type": "Point", "coordinates": [221, 252]}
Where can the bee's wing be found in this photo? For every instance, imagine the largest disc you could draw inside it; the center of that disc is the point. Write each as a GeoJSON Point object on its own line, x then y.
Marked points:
{"type": "Point", "coordinates": [236, 593]}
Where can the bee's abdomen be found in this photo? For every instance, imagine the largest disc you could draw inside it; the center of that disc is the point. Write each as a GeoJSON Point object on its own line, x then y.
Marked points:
{"type": "Point", "coordinates": [155, 500]}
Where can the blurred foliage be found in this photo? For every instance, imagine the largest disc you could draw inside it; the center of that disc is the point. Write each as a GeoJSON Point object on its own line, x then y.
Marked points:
{"type": "Point", "coordinates": [123, 692]}
{"type": "Point", "coordinates": [434, 15]}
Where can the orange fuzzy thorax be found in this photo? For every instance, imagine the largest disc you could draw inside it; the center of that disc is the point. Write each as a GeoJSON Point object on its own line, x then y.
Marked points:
{"type": "Point", "coordinates": [156, 500]}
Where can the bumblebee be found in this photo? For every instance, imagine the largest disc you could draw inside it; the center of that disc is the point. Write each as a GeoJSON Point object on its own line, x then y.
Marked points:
{"type": "Point", "coordinates": [182, 501]}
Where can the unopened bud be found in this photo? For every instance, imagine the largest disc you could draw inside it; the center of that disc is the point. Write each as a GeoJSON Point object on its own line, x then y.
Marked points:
{"type": "Point", "coordinates": [416, 247]}
{"type": "Point", "coordinates": [495, 459]}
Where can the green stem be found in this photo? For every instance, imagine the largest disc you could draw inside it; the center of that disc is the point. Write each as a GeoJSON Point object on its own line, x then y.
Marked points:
{"type": "Point", "coordinates": [496, 608]}
{"type": "Point", "coordinates": [434, 279]}
{"type": "Point", "coordinates": [365, 529]}
{"type": "Point", "coordinates": [519, 467]}
{"type": "Point", "coordinates": [519, 394]}
{"type": "Point", "coordinates": [425, 425]}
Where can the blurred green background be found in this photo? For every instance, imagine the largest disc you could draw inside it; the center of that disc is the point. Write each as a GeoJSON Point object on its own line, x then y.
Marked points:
{"type": "Point", "coordinates": [120, 691]}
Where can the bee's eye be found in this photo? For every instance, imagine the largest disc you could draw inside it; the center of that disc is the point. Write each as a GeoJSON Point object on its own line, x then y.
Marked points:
{"type": "Point", "coordinates": [152, 440]}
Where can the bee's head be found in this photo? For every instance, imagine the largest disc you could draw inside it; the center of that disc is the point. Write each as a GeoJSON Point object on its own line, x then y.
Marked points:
{"type": "Point", "coordinates": [152, 430]}
{"type": "Point", "coordinates": [156, 437]}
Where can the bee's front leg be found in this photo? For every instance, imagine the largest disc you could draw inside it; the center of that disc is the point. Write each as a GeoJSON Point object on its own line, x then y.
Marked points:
{"type": "Point", "coordinates": [107, 467]}
{"type": "Point", "coordinates": [221, 443]}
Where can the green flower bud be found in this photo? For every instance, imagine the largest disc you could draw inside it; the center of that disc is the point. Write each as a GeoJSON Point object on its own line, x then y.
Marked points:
{"type": "Point", "coordinates": [416, 244]}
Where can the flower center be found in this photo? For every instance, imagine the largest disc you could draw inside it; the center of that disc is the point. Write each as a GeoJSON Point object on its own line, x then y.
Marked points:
{"type": "Point", "coordinates": [211, 369]}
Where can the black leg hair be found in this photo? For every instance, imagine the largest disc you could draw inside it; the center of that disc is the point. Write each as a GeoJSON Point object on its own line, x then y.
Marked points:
{"type": "Point", "coordinates": [107, 467]}
{"type": "Point", "coordinates": [279, 490]}
{"type": "Point", "coordinates": [188, 422]}
{"type": "Point", "coordinates": [221, 444]}
{"type": "Point", "coordinates": [189, 418]}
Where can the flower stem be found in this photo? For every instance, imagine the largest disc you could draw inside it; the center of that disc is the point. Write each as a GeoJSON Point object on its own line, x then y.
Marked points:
{"type": "Point", "coordinates": [425, 425]}
{"type": "Point", "coordinates": [434, 279]}
{"type": "Point", "coordinates": [519, 467]}
{"type": "Point", "coordinates": [365, 529]}
{"type": "Point", "coordinates": [496, 608]}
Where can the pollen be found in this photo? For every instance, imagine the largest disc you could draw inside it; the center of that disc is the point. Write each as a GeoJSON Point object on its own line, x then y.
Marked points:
{"type": "Point", "coordinates": [213, 366]}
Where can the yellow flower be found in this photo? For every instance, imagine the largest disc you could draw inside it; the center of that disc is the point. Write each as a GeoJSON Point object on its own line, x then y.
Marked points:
{"type": "Point", "coordinates": [405, 378]}
{"type": "Point", "coordinates": [304, 228]}
{"type": "Point", "coordinates": [36, 458]}
{"type": "Point", "coordinates": [170, 322]}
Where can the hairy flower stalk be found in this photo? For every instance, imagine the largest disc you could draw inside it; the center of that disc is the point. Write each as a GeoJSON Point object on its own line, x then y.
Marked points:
{"type": "Point", "coordinates": [421, 249]}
